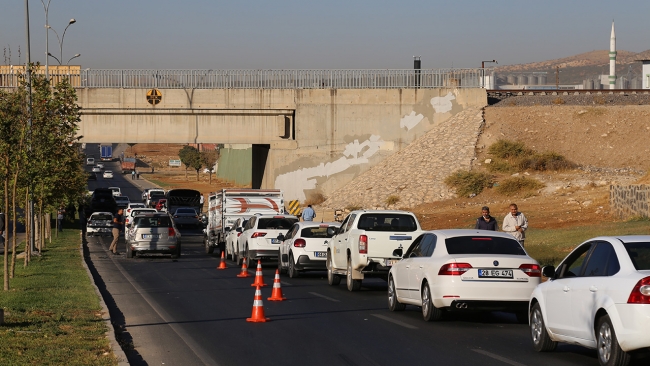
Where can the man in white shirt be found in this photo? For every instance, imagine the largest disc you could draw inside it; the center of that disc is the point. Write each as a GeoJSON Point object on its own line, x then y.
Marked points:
{"type": "Point", "coordinates": [516, 224]}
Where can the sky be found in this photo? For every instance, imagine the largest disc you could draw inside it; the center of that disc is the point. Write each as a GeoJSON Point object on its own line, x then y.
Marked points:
{"type": "Point", "coordinates": [325, 34]}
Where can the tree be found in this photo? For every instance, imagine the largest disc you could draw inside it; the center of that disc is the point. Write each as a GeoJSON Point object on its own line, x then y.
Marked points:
{"type": "Point", "coordinates": [209, 160]}
{"type": "Point", "coordinates": [191, 158]}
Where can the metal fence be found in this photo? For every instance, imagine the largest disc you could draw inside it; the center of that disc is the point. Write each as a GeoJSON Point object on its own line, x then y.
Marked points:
{"type": "Point", "coordinates": [273, 79]}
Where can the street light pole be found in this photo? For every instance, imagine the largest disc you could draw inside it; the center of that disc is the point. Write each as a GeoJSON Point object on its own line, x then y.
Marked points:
{"type": "Point", "coordinates": [61, 39]}
{"type": "Point", "coordinates": [28, 75]}
{"type": "Point", "coordinates": [47, 37]}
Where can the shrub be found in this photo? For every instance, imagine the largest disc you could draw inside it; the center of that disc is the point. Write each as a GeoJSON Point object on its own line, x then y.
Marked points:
{"type": "Point", "coordinates": [467, 183]}
{"type": "Point", "coordinates": [558, 101]}
{"type": "Point", "coordinates": [505, 149]}
{"type": "Point", "coordinates": [546, 161]}
{"type": "Point", "coordinates": [499, 166]}
{"type": "Point", "coordinates": [515, 185]}
{"type": "Point", "coordinates": [353, 207]}
{"type": "Point", "coordinates": [315, 199]}
{"type": "Point", "coordinates": [391, 200]}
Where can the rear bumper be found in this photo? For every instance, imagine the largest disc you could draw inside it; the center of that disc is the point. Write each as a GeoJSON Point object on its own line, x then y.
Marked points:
{"type": "Point", "coordinates": [482, 305]}
{"type": "Point", "coordinates": [263, 253]}
{"type": "Point", "coordinates": [168, 247]}
{"type": "Point", "coordinates": [631, 323]}
{"type": "Point", "coordinates": [304, 263]}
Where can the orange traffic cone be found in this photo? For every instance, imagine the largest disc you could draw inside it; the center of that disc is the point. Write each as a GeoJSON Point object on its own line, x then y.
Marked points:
{"type": "Point", "coordinates": [276, 295]}
{"type": "Point", "coordinates": [222, 265]}
{"type": "Point", "coordinates": [244, 269]}
{"type": "Point", "coordinates": [259, 280]}
{"type": "Point", "coordinates": [258, 309]}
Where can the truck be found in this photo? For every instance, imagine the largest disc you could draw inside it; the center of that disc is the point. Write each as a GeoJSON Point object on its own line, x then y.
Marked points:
{"type": "Point", "coordinates": [128, 165]}
{"type": "Point", "coordinates": [365, 245]}
{"type": "Point", "coordinates": [106, 152]}
{"type": "Point", "coordinates": [228, 205]}
{"type": "Point", "coordinates": [182, 197]}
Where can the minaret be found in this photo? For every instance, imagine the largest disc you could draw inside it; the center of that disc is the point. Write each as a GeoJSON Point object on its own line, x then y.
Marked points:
{"type": "Point", "coordinates": [612, 59]}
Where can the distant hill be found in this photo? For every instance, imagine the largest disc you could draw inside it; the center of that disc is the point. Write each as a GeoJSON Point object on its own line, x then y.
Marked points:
{"type": "Point", "coordinates": [588, 65]}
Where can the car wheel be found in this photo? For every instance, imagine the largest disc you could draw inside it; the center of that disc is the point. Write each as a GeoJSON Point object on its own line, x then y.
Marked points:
{"type": "Point", "coordinates": [177, 253]}
{"type": "Point", "coordinates": [429, 311]}
{"type": "Point", "coordinates": [129, 251]}
{"type": "Point", "coordinates": [280, 268]}
{"type": "Point", "coordinates": [208, 249]}
{"type": "Point", "coordinates": [541, 341]}
{"type": "Point", "coordinates": [393, 303]}
{"type": "Point", "coordinates": [293, 272]}
{"type": "Point", "coordinates": [353, 285]}
{"type": "Point", "coordinates": [332, 279]}
{"type": "Point", "coordinates": [609, 351]}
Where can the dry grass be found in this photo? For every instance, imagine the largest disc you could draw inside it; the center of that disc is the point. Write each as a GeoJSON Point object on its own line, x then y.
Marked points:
{"type": "Point", "coordinates": [509, 156]}
{"type": "Point", "coordinates": [392, 200]}
{"type": "Point", "coordinates": [468, 183]}
{"type": "Point", "coordinates": [558, 101]}
{"type": "Point", "coordinates": [518, 186]}
{"type": "Point", "coordinates": [315, 199]}
{"type": "Point", "coordinates": [353, 207]}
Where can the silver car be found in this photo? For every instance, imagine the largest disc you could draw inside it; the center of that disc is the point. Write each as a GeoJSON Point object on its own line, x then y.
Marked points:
{"type": "Point", "coordinates": [153, 233]}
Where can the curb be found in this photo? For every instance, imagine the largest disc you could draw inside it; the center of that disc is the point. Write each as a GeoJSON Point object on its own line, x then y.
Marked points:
{"type": "Point", "coordinates": [106, 317]}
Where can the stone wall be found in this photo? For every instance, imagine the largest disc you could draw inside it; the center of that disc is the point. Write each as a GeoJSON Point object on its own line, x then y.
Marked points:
{"type": "Point", "coordinates": [629, 201]}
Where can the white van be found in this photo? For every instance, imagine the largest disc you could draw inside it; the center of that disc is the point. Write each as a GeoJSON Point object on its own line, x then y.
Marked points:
{"type": "Point", "coordinates": [116, 191]}
{"type": "Point", "coordinates": [90, 161]}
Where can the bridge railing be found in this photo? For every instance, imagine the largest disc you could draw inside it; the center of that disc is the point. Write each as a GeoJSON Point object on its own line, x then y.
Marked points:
{"type": "Point", "coordinates": [273, 79]}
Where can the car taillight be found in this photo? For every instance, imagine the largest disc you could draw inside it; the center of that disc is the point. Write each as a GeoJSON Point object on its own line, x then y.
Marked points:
{"type": "Point", "coordinates": [238, 235]}
{"type": "Point", "coordinates": [641, 292]}
{"type": "Point", "coordinates": [299, 243]}
{"type": "Point", "coordinates": [363, 244]}
{"type": "Point", "coordinates": [454, 269]}
{"type": "Point", "coordinates": [171, 232]}
{"type": "Point", "coordinates": [532, 270]}
{"type": "Point", "coordinates": [258, 235]}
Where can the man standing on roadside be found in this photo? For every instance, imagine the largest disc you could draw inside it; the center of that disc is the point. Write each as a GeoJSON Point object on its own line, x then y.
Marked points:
{"type": "Point", "coordinates": [60, 215]}
{"type": "Point", "coordinates": [117, 226]}
{"type": "Point", "coordinates": [486, 222]}
{"type": "Point", "coordinates": [516, 224]}
{"type": "Point", "coordinates": [308, 214]}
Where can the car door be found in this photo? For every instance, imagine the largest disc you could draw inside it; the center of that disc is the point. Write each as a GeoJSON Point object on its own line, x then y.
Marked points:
{"type": "Point", "coordinates": [241, 241]}
{"type": "Point", "coordinates": [558, 292]}
{"type": "Point", "coordinates": [402, 267]}
{"type": "Point", "coordinates": [591, 287]}
{"type": "Point", "coordinates": [285, 246]}
{"type": "Point", "coordinates": [419, 263]}
{"type": "Point", "coordinates": [342, 238]}
{"type": "Point", "coordinates": [337, 242]}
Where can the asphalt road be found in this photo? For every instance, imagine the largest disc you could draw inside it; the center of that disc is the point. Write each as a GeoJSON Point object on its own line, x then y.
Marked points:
{"type": "Point", "coordinates": [186, 312]}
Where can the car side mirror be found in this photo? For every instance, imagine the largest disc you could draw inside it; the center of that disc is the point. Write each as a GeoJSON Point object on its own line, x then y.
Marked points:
{"type": "Point", "coordinates": [281, 237]}
{"type": "Point", "coordinates": [548, 271]}
{"type": "Point", "coordinates": [331, 231]}
{"type": "Point", "coordinates": [398, 252]}
{"type": "Point", "coordinates": [239, 230]}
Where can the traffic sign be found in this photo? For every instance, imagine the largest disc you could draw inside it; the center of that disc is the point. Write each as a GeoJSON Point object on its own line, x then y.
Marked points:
{"type": "Point", "coordinates": [154, 96]}
{"type": "Point", "coordinates": [173, 162]}
{"type": "Point", "coordinates": [294, 207]}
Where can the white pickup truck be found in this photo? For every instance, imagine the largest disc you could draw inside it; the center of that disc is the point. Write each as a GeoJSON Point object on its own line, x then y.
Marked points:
{"type": "Point", "coordinates": [364, 244]}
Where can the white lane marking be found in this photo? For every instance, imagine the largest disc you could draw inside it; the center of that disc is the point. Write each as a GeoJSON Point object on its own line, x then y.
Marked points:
{"type": "Point", "coordinates": [324, 297]}
{"type": "Point", "coordinates": [497, 357]}
{"type": "Point", "coordinates": [400, 323]}
{"type": "Point", "coordinates": [285, 283]}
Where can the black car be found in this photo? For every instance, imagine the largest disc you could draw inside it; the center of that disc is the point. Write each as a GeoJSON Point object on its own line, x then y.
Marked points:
{"type": "Point", "coordinates": [102, 200]}
{"type": "Point", "coordinates": [92, 176]}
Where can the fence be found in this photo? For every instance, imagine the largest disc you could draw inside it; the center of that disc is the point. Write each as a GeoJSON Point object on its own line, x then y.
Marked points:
{"type": "Point", "coordinates": [269, 79]}
{"type": "Point", "coordinates": [630, 201]}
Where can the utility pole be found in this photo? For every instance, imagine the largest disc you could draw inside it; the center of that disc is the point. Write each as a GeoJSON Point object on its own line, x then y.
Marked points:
{"type": "Point", "coordinates": [28, 75]}
{"type": "Point", "coordinates": [557, 77]}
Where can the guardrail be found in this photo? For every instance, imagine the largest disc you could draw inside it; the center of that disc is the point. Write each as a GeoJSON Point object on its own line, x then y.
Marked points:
{"type": "Point", "coordinates": [271, 79]}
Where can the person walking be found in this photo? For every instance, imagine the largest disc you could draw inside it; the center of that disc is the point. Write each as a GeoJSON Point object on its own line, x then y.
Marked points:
{"type": "Point", "coordinates": [516, 224]}
{"type": "Point", "coordinates": [308, 214]}
{"type": "Point", "coordinates": [117, 226]}
{"type": "Point", "coordinates": [133, 175]}
{"type": "Point", "coordinates": [82, 219]}
{"type": "Point", "coordinates": [486, 222]}
{"type": "Point", "coordinates": [60, 215]}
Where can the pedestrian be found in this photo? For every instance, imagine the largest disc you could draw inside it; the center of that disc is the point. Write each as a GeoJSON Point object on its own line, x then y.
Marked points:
{"type": "Point", "coordinates": [308, 214]}
{"type": "Point", "coordinates": [117, 226]}
{"type": "Point", "coordinates": [137, 174]}
{"type": "Point", "coordinates": [82, 219]}
{"type": "Point", "coordinates": [132, 174]}
{"type": "Point", "coordinates": [516, 224]}
{"type": "Point", "coordinates": [486, 222]}
{"type": "Point", "coordinates": [60, 215]}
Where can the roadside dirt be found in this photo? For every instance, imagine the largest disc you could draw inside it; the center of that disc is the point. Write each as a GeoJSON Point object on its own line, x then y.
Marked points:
{"type": "Point", "coordinates": [609, 143]}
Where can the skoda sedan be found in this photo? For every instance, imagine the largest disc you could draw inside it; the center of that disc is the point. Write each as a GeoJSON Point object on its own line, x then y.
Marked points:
{"type": "Point", "coordinates": [463, 271]}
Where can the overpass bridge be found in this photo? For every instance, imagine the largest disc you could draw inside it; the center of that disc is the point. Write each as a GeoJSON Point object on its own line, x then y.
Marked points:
{"type": "Point", "coordinates": [301, 131]}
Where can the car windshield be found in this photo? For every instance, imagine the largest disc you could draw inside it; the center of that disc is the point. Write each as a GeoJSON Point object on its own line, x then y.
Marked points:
{"type": "Point", "coordinates": [108, 172]}
{"type": "Point", "coordinates": [122, 198]}
{"type": "Point", "coordinates": [276, 223]}
{"type": "Point", "coordinates": [315, 232]}
{"type": "Point", "coordinates": [639, 254]}
{"type": "Point", "coordinates": [137, 205]}
{"type": "Point", "coordinates": [160, 221]}
{"type": "Point", "coordinates": [483, 245]}
{"type": "Point", "coordinates": [156, 194]}
{"type": "Point", "coordinates": [101, 217]}
{"type": "Point", "coordinates": [387, 222]}
{"type": "Point", "coordinates": [186, 211]}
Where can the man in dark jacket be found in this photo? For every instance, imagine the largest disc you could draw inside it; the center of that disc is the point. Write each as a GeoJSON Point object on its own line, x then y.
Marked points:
{"type": "Point", "coordinates": [486, 222]}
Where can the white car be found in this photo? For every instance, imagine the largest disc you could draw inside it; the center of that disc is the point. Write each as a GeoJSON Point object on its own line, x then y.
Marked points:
{"type": "Point", "coordinates": [99, 224]}
{"type": "Point", "coordinates": [122, 201]}
{"type": "Point", "coordinates": [108, 174]}
{"type": "Point", "coordinates": [96, 169]}
{"type": "Point", "coordinates": [304, 247]}
{"type": "Point", "coordinates": [90, 161]}
{"type": "Point", "coordinates": [598, 297]}
{"type": "Point", "coordinates": [116, 191]}
{"type": "Point", "coordinates": [259, 239]}
{"type": "Point", "coordinates": [231, 237]}
{"type": "Point", "coordinates": [133, 205]}
{"type": "Point", "coordinates": [463, 270]}
{"type": "Point", "coordinates": [128, 218]}
{"type": "Point", "coordinates": [100, 165]}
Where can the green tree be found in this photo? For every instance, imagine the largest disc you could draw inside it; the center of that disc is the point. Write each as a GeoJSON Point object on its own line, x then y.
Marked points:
{"type": "Point", "coordinates": [191, 158]}
{"type": "Point", "coordinates": [209, 160]}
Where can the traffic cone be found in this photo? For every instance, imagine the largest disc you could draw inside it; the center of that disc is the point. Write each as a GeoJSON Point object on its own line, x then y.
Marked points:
{"type": "Point", "coordinates": [244, 269]}
{"type": "Point", "coordinates": [222, 265]}
{"type": "Point", "coordinates": [259, 279]}
{"type": "Point", "coordinates": [258, 309]}
{"type": "Point", "coordinates": [276, 295]}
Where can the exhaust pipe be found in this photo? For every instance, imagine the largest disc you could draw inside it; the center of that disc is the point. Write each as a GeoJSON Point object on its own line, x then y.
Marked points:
{"type": "Point", "coordinates": [461, 305]}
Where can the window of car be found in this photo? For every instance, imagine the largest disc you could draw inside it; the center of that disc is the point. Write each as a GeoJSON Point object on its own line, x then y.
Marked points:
{"type": "Point", "coordinates": [572, 265]}
{"type": "Point", "coordinates": [483, 245]}
{"type": "Point", "coordinates": [348, 226]}
{"type": "Point", "coordinates": [428, 245]}
{"type": "Point", "coordinates": [414, 249]}
{"type": "Point", "coordinates": [243, 223]}
{"type": "Point", "coordinates": [292, 232]}
{"type": "Point", "coordinates": [639, 254]}
{"type": "Point", "coordinates": [315, 232]}
{"type": "Point", "coordinates": [101, 217]}
{"type": "Point", "coordinates": [142, 211]}
{"type": "Point", "coordinates": [602, 261]}
{"type": "Point", "coordinates": [387, 222]}
{"type": "Point", "coordinates": [186, 211]}
{"type": "Point", "coordinates": [158, 221]}
{"type": "Point", "coordinates": [271, 223]}
{"type": "Point", "coordinates": [153, 194]}
{"type": "Point", "coordinates": [251, 223]}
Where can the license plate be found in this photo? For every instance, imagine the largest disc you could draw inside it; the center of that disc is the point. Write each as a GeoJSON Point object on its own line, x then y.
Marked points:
{"type": "Point", "coordinates": [495, 273]}
{"type": "Point", "coordinates": [320, 254]}
{"type": "Point", "coordinates": [150, 236]}
{"type": "Point", "coordinates": [391, 262]}
{"type": "Point", "coordinates": [275, 241]}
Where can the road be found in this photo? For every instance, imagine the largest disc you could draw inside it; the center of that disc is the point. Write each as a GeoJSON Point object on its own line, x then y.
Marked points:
{"type": "Point", "coordinates": [186, 312]}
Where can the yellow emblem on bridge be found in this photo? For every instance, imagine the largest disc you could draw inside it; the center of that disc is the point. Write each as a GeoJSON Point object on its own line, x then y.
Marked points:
{"type": "Point", "coordinates": [154, 96]}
